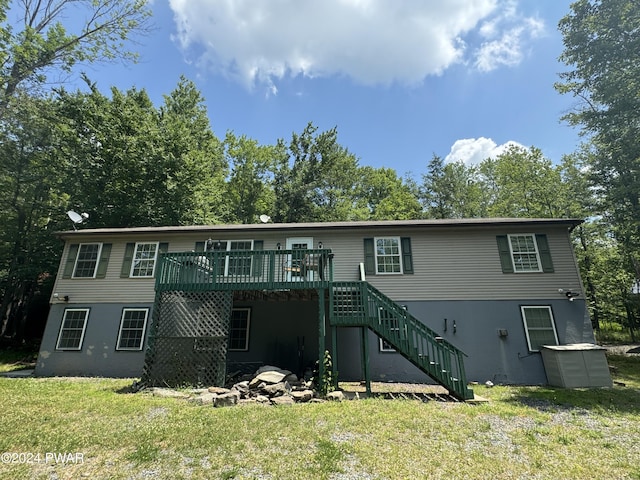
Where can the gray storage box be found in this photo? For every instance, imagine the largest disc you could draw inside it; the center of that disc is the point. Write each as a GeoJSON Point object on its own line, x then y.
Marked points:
{"type": "Point", "coordinates": [576, 365]}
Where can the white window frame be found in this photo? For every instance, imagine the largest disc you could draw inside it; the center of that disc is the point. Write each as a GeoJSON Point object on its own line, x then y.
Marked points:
{"type": "Point", "coordinates": [375, 253]}
{"type": "Point", "coordinates": [144, 329]}
{"type": "Point", "coordinates": [63, 328]}
{"type": "Point", "coordinates": [228, 259]}
{"type": "Point", "coordinates": [246, 337]}
{"type": "Point", "coordinates": [523, 308]}
{"type": "Point", "coordinates": [535, 251]}
{"type": "Point", "coordinates": [95, 267]}
{"type": "Point", "coordinates": [135, 261]}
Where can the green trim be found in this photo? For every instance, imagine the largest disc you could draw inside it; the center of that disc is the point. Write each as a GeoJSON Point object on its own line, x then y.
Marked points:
{"type": "Point", "coordinates": [128, 260]}
{"type": "Point", "coordinates": [105, 253]}
{"type": "Point", "coordinates": [369, 257]}
{"type": "Point", "coordinates": [506, 262]}
{"type": "Point", "coordinates": [407, 260]}
{"type": "Point", "coordinates": [71, 260]}
{"type": "Point", "coordinates": [545, 253]}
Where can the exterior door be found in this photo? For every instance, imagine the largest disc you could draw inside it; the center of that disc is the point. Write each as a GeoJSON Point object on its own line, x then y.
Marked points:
{"type": "Point", "coordinates": [296, 270]}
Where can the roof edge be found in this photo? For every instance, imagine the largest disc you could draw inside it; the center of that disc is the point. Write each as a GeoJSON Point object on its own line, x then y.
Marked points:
{"type": "Point", "coordinates": [431, 223]}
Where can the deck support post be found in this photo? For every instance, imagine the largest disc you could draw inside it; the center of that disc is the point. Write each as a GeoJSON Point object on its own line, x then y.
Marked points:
{"type": "Point", "coordinates": [334, 356]}
{"type": "Point", "coordinates": [321, 333]}
{"type": "Point", "coordinates": [364, 331]}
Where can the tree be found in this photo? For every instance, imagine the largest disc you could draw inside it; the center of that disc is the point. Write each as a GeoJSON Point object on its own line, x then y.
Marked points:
{"type": "Point", "coordinates": [31, 176]}
{"type": "Point", "coordinates": [249, 188]}
{"type": "Point", "coordinates": [523, 183]}
{"type": "Point", "coordinates": [315, 182]}
{"type": "Point", "coordinates": [602, 46]}
{"type": "Point", "coordinates": [382, 195]}
{"type": "Point", "coordinates": [42, 43]}
{"type": "Point", "coordinates": [152, 166]}
{"type": "Point", "coordinates": [453, 190]}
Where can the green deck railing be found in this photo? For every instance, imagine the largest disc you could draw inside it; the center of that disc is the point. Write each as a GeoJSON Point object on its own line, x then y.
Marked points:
{"type": "Point", "coordinates": [245, 270]}
{"type": "Point", "coordinates": [361, 304]}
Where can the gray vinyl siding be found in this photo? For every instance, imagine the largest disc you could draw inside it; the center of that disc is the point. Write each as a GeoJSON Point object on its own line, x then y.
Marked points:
{"type": "Point", "coordinates": [449, 263]}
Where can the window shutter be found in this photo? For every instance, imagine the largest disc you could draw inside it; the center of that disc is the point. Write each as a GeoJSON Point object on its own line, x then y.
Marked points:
{"type": "Point", "coordinates": [199, 247]}
{"type": "Point", "coordinates": [369, 257]}
{"type": "Point", "coordinates": [71, 260]}
{"type": "Point", "coordinates": [128, 259]}
{"type": "Point", "coordinates": [104, 260]}
{"type": "Point", "coordinates": [407, 260]}
{"type": "Point", "coordinates": [545, 253]}
{"type": "Point", "coordinates": [163, 247]}
{"type": "Point", "coordinates": [258, 259]}
{"type": "Point", "coordinates": [505, 253]}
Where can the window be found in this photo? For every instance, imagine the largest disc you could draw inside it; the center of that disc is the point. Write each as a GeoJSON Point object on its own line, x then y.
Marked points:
{"type": "Point", "coordinates": [87, 260]}
{"type": "Point", "coordinates": [72, 329]}
{"type": "Point", "coordinates": [239, 266]}
{"type": "Point", "coordinates": [539, 326]}
{"type": "Point", "coordinates": [133, 325]}
{"type": "Point", "coordinates": [144, 260]}
{"type": "Point", "coordinates": [388, 255]}
{"type": "Point", "coordinates": [239, 329]}
{"type": "Point", "coordinates": [235, 265]}
{"type": "Point", "coordinates": [524, 253]}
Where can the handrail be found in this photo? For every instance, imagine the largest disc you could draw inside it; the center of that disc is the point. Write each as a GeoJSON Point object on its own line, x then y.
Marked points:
{"type": "Point", "coordinates": [245, 269]}
{"type": "Point", "coordinates": [360, 303]}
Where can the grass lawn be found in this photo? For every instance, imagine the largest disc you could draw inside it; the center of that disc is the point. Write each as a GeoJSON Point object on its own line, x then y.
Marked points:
{"type": "Point", "coordinates": [521, 433]}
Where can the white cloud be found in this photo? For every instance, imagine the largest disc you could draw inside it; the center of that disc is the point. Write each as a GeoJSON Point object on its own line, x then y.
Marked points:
{"type": "Point", "coordinates": [370, 41]}
{"type": "Point", "coordinates": [472, 151]}
{"type": "Point", "coordinates": [505, 36]}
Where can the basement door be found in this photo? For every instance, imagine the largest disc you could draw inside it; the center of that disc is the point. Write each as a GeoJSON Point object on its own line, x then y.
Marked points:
{"type": "Point", "coordinates": [296, 270]}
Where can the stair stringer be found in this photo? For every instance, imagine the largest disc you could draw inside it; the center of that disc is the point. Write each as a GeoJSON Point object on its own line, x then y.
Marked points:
{"type": "Point", "coordinates": [361, 304]}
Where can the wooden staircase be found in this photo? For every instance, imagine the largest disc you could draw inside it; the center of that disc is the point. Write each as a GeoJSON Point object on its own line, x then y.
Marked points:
{"type": "Point", "coordinates": [359, 304]}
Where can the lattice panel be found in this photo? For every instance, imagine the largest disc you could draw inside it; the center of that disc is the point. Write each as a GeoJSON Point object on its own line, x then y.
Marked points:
{"type": "Point", "coordinates": [188, 340]}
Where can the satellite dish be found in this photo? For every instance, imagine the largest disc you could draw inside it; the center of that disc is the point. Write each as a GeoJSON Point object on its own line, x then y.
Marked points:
{"type": "Point", "coordinates": [265, 218]}
{"type": "Point", "coordinates": [77, 218]}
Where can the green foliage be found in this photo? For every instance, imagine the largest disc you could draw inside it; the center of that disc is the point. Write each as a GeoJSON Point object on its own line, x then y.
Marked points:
{"type": "Point", "coordinates": [602, 47]}
{"type": "Point", "coordinates": [324, 383]}
{"type": "Point", "coordinates": [43, 45]}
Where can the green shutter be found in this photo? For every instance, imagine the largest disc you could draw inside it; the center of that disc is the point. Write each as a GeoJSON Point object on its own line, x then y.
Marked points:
{"type": "Point", "coordinates": [369, 257]}
{"type": "Point", "coordinates": [505, 253]}
{"type": "Point", "coordinates": [199, 247]}
{"type": "Point", "coordinates": [407, 260]}
{"type": "Point", "coordinates": [71, 260]}
{"type": "Point", "coordinates": [258, 259]}
{"type": "Point", "coordinates": [128, 259]}
{"type": "Point", "coordinates": [163, 247]}
{"type": "Point", "coordinates": [545, 253]}
{"type": "Point", "coordinates": [101, 272]}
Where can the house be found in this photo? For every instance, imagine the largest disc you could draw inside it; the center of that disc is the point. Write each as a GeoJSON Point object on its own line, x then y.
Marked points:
{"type": "Point", "coordinates": [449, 301]}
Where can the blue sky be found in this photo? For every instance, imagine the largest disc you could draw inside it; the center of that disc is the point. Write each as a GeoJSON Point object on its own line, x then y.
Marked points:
{"type": "Point", "coordinates": [400, 80]}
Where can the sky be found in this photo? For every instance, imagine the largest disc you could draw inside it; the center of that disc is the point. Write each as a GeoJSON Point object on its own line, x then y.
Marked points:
{"type": "Point", "coordinates": [401, 80]}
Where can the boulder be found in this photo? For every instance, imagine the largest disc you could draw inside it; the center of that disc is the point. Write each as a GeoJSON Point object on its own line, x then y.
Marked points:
{"type": "Point", "coordinates": [218, 390]}
{"type": "Point", "coordinates": [269, 377]}
{"type": "Point", "coordinates": [282, 400]}
{"type": "Point", "coordinates": [277, 389]}
{"type": "Point", "coordinates": [302, 395]}
{"type": "Point", "coordinates": [226, 399]}
{"type": "Point", "coordinates": [335, 396]}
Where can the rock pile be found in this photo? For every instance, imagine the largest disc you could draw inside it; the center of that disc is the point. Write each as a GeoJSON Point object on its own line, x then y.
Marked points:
{"type": "Point", "coordinates": [269, 385]}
